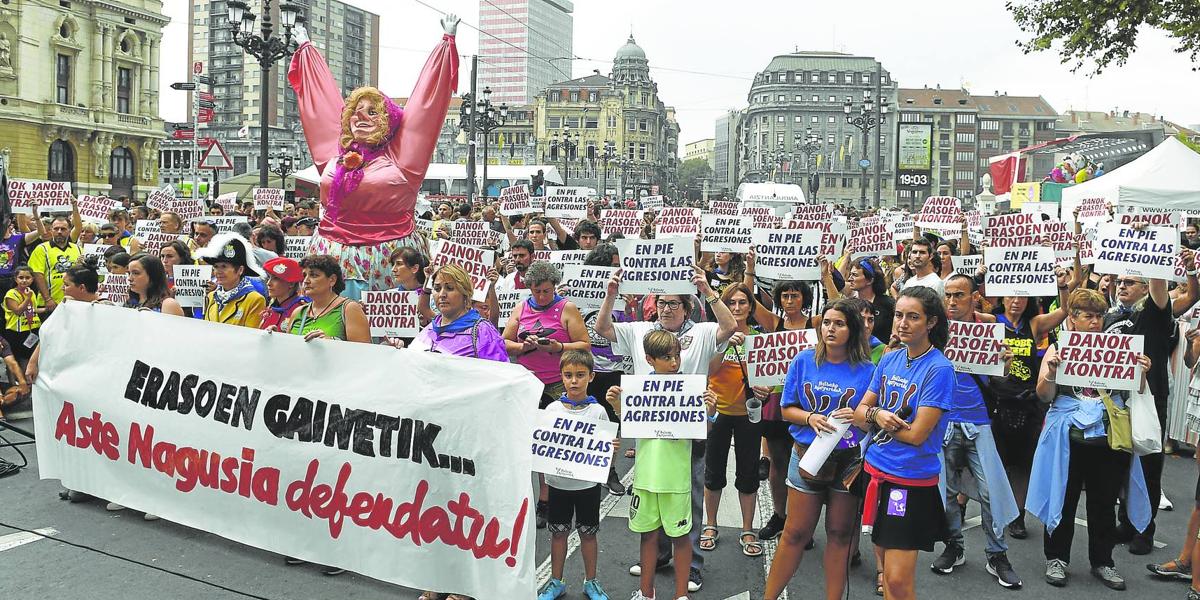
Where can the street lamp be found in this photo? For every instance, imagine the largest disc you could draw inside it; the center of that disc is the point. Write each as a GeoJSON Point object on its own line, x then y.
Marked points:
{"type": "Point", "coordinates": [609, 153]}
{"type": "Point", "coordinates": [282, 164]}
{"type": "Point", "coordinates": [623, 163]}
{"type": "Point", "coordinates": [869, 117]}
{"type": "Point", "coordinates": [566, 147]}
{"type": "Point", "coordinates": [781, 157]}
{"type": "Point", "coordinates": [809, 148]}
{"type": "Point", "coordinates": [485, 118]}
{"type": "Point", "coordinates": [268, 49]}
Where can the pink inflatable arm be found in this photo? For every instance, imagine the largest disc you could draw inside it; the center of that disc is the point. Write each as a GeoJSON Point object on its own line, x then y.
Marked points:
{"type": "Point", "coordinates": [320, 103]}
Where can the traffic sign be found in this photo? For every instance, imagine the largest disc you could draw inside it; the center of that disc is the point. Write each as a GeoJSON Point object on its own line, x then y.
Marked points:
{"type": "Point", "coordinates": [204, 115]}
{"type": "Point", "coordinates": [198, 67]}
{"type": "Point", "coordinates": [206, 96]}
{"type": "Point", "coordinates": [185, 86]}
{"type": "Point", "coordinates": [205, 79]}
{"type": "Point", "coordinates": [184, 134]}
{"type": "Point", "coordinates": [215, 158]}
{"type": "Point", "coordinates": [207, 104]}
{"type": "Point", "coordinates": [178, 126]}
{"type": "Point", "coordinates": [205, 142]}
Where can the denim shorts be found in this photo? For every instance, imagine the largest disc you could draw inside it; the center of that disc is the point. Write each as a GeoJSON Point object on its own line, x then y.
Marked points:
{"type": "Point", "coordinates": [843, 465]}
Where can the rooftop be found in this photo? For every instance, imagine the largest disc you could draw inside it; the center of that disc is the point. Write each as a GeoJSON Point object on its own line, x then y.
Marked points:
{"type": "Point", "coordinates": [820, 61]}
{"type": "Point", "coordinates": [998, 104]}
{"type": "Point", "coordinates": [1100, 121]}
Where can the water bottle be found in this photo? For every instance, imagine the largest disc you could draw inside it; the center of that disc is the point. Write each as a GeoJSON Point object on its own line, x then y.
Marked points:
{"type": "Point", "coordinates": [754, 409]}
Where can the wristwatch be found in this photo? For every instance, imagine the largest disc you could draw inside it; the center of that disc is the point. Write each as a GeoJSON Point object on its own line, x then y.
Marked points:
{"type": "Point", "coordinates": [712, 299]}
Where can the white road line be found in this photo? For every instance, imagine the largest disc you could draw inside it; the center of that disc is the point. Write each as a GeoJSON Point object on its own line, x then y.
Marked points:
{"type": "Point", "coordinates": [765, 511]}
{"type": "Point", "coordinates": [606, 506]}
{"type": "Point", "coordinates": [8, 542]}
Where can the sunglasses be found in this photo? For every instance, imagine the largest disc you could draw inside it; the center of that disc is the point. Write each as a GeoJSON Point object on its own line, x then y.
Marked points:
{"type": "Point", "coordinates": [108, 234]}
{"type": "Point", "coordinates": [1127, 282]}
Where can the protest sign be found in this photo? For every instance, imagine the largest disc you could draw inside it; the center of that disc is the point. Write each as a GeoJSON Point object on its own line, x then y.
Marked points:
{"type": "Point", "coordinates": [225, 224]}
{"type": "Point", "coordinates": [871, 239]}
{"type": "Point", "coordinates": [424, 227]}
{"type": "Point", "coordinates": [657, 266]}
{"type": "Point", "coordinates": [508, 302]}
{"type": "Point", "coordinates": [833, 234]}
{"type": "Point", "coordinates": [1092, 210]}
{"type": "Point", "coordinates": [187, 209]}
{"type": "Point", "coordinates": [722, 233]}
{"type": "Point", "coordinates": [1027, 271]}
{"type": "Point", "coordinates": [191, 284]}
{"type": "Point", "coordinates": [763, 217]}
{"type": "Point", "coordinates": [475, 233]}
{"type": "Point", "coordinates": [338, 471]}
{"type": "Point", "coordinates": [812, 212]}
{"type": "Point", "coordinates": [1055, 234]}
{"type": "Point", "coordinates": [967, 265]}
{"type": "Point", "coordinates": [392, 313]}
{"type": "Point", "coordinates": [654, 203]}
{"type": "Point", "coordinates": [144, 226]}
{"type": "Point", "coordinates": [475, 261]}
{"type": "Point", "coordinates": [566, 202]}
{"type": "Point", "coordinates": [940, 212]}
{"type": "Point", "coordinates": [1149, 252]}
{"type": "Point", "coordinates": [768, 355]}
{"type": "Point", "coordinates": [161, 198]}
{"type": "Point", "coordinates": [227, 202]}
{"type": "Point", "coordinates": [1099, 360]}
{"type": "Point", "coordinates": [268, 198]}
{"type": "Point", "coordinates": [724, 208]}
{"type": "Point", "coordinates": [1153, 217]}
{"type": "Point", "coordinates": [152, 242]}
{"type": "Point", "coordinates": [677, 221]}
{"type": "Point", "coordinates": [1050, 209]}
{"type": "Point", "coordinates": [976, 347]}
{"type": "Point", "coordinates": [586, 286]}
{"type": "Point", "coordinates": [623, 221]}
{"type": "Point", "coordinates": [561, 257]}
{"type": "Point", "coordinates": [295, 247]}
{"type": "Point", "coordinates": [669, 407]}
{"type": "Point", "coordinates": [114, 288]}
{"type": "Point", "coordinates": [96, 250]}
{"type": "Point", "coordinates": [1010, 231]}
{"type": "Point", "coordinates": [514, 200]}
{"type": "Point", "coordinates": [902, 227]}
{"type": "Point", "coordinates": [570, 446]}
{"type": "Point", "coordinates": [95, 209]}
{"type": "Point", "coordinates": [1086, 241]}
{"type": "Point", "coordinates": [50, 196]}
{"type": "Point", "coordinates": [789, 254]}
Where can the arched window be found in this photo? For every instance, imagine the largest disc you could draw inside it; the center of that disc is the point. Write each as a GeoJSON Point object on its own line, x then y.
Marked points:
{"type": "Point", "coordinates": [62, 162]}
{"type": "Point", "coordinates": [120, 172]}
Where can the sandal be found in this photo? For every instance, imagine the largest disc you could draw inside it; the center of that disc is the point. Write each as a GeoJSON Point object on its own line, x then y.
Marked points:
{"type": "Point", "coordinates": [710, 540]}
{"type": "Point", "coordinates": [878, 583]}
{"type": "Point", "coordinates": [1172, 569]}
{"type": "Point", "coordinates": [753, 547]}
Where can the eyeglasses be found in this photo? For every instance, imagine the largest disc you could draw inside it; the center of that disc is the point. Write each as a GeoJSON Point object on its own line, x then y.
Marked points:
{"type": "Point", "coordinates": [671, 304]}
{"type": "Point", "coordinates": [1127, 282]}
{"type": "Point", "coordinates": [108, 234]}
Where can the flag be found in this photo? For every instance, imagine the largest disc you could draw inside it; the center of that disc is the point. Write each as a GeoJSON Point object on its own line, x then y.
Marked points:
{"type": "Point", "coordinates": [819, 157]}
{"type": "Point", "coordinates": [500, 141]}
{"type": "Point", "coordinates": [244, 132]}
{"type": "Point", "coordinates": [850, 145]}
{"type": "Point", "coordinates": [842, 153]}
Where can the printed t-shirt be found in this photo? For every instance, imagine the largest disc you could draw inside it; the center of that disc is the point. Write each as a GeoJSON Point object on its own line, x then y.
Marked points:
{"type": "Point", "coordinates": [53, 263]}
{"type": "Point", "coordinates": [968, 405]}
{"type": "Point", "coordinates": [593, 412]}
{"type": "Point", "coordinates": [927, 382]}
{"type": "Point", "coordinates": [824, 389]}
{"type": "Point", "coordinates": [728, 381]}
{"type": "Point", "coordinates": [10, 253]}
{"type": "Point", "coordinates": [698, 345]}
{"type": "Point", "coordinates": [1021, 377]}
{"type": "Point", "coordinates": [22, 321]}
{"type": "Point", "coordinates": [663, 466]}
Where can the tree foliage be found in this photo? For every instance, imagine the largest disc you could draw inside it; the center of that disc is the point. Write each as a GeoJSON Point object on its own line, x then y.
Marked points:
{"type": "Point", "coordinates": [1104, 33]}
{"type": "Point", "coordinates": [1189, 143]}
{"type": "Point", "coordinates": [693, 172]}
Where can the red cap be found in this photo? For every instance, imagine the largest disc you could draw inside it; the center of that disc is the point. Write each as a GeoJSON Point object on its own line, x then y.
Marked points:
{"type": "Point", "coordinates": [285, 269]}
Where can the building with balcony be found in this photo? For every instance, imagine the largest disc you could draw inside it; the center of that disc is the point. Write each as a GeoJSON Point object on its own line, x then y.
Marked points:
{"type": "Point", "coordinates": [524, 46]}
{"type": "Point", "coordinates": [701, 149]}
{"type": "Point", "coordinates": [79, 93]}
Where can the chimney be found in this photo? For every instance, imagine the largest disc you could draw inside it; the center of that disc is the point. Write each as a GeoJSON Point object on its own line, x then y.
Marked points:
{"type": "Point", "coordinates": [1125, 114]}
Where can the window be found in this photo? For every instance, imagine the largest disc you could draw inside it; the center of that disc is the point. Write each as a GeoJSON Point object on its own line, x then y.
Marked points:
{"type": "Point", "coordinates": [62, 162]}
{"type": "Point", "coordinates": [645, 99]}
{"type": "Point", "coordinates": [553, 122]}
{"type": "Point", "coordinates": [590, 152]}
{"type": "Point", "coordinates": [849, 78]}
{"type": "Point", "coordinates": [632, 148]}
{"type": "Point", "coordinates": [1007, 128]}
{"type": "Point", "coordinates": [643, 125]}
{"type": "Point", "coordinates": [798, 120]}
{"type": "Point", "coordinates": [1045, 125]}
{"type": "Point", "coordinates": [989, 125]}
{"type": "Point", "coordinates": [124, 87]}
{"type": "Point", "coordinates": [779, 138]}
{"type": "Point", "coordinates": [642, 151]}
{"type": "Point", "coordinates": [63, 79]}
{"type": "Point", "coordinates": [832, 119]}
{"type": "Point", "coordinates": [944, 122]}
{"type": "Point", "coordinates": [765, 120]}
{"type": "Point", "coordinates": [780, 119]}
{"type": "Point", "coordinates": [831, 77]}
{"type": "Point", "coordinates": [572, 122]}
{"type": "Point", "coordinates": [612, 121]}
{"type": "Point", "coordinates": [943, 158]}
{"type": "Point", "coordinates": [964, 119]}
{"type": "Point", "coordinates": [799, 98]}
{"type": "Point", "coordinates": [593, 96]}
{"type": "Point", "coordinates": [555, 96]}
{"type": "Point", "coordinates": [120, 172]}
{"type": "Point", "coordinates": [239, 165]}
{"type": "Point", "coordinates": [964, 175]}
{"type": "Point", "coordinates": [591, 123]}
{"type": "Point", "coordinates": [815, 119]}
{"type": "Point", "coordinates": [964, 156]}
{"type": "Point", "coordinates": [782, 98]}
{"type": "Point", "coordinates": [574, 95]}
{"type": "Point", "coordinates": [965, 138]}
{"type": "Point", "coordinates": [631, 125]}
{"type": "Point", "coordinates": [830, 139]}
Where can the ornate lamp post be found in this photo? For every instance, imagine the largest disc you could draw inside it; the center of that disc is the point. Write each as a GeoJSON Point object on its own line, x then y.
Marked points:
{"type": "Point", "coordinates": [485, 118]}
{"type": "Point", "coordinates": [607, 156]}
{"type": "Point", "coordinates": [282, 164]}
{"type": "Point", "coordinates": [869, 117]}
{"type": "Point", "coordinates": [566, 147]}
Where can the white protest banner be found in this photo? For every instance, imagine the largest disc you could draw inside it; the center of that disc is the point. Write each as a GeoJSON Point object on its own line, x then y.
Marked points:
{"type": "Point", "coordinates": [1027, 271]}
{"type": "Point", "coordinates": [152, 242]}
{"type": "Point", "coordinates": [967, 265]}
{"type": "Point", "coordinates": [268, 198]}
{"type": "Point", "coordinates": [657, 266]}
{"type": "Point", "coordinates": [187, 209]}
{"type": "Point", "coordinates": [623, 221]}
{"type": "Point", "coordinates": [1010, 231]}
{"type": "Point", "coordinates": [722, 233]}
{"type": "Point", "coordinates": [341, 471]}
{"type": "Point", "coordinates": [191, 284]}
{"type": "Point", "coordinates": [763, 217]}
{"type": "Point", "coordinates": [227, 202]}
{"type": "Point", "coordinates": [1092, 210]}
{"type": "Point", "coordinates": [575, 447]}
{"type": "Point", "coordinates": [902, 227]}
{"type": "Point", "coordinates": [98, 250]}
{"type": "Point", "coordinates": [161, 198]}
{"type": "Point", "coordinates": [833, 234]}
{"type": "Point", "coordinates": [940, 212]}
{"type": "Point", "coordinates": [424, 227]}
{"type": "Point", "coordinates": [392, 313]}
{"type": "Point", "coordinates": [114, 288]}
{"type": "Point", "coordinates": [537, 203]}
{"type": "Point", "coordinates": [225, 223]}
{"type": "Point", "coordinates": [768, 355]}
{"type": "Point", "coordinates": [586, 286]}
{"type": "Point", "coordinates": [654, 203]}
{"type": "Point", "coordinates": [1086, 240]}
{"type": "Point", "coordinates": [144, 226]}
{"type": "Point", "coordinates": [724, 208]}
{"type": "Point", "coordinates": [976, 347]}
{"type": "Point", "coordinates": [50, 196]}
{"type": "Point", "coordinates": [475, 261]}
{"type": "Point", "coordinates": [508, 302]}
{"type": "Point", "coordinates": [475, 233]}
{"type": "Point", "coordinates": [295, 247]}
{"type": "Point", "coordinates": [566, 202]}
{"type": "Point", "coordinates": [95, 209]}
{"type": "Point", "coordinates": [1153, 217]}
{"type": "Point", "coordinates": [812, 212]}
{"type": "Point", "coordinates": [514, 200]}
{"type": "Point", "coordinates": [789, 254]}
{"type": "Point", "coordinates": [1099, 360]}
{"type": "Point", "coordinates": [669, 407]}
{"type": "Point", "coordinates": [871, 239]}
{"type": "Point", "coordinates": [569, 224]}
{"type": "Point", "coordinates": [1149, 252]}
{"type": "Point", "coordinates": [561, 257]}
{"type": "Point", "coordinates": [672, 221]}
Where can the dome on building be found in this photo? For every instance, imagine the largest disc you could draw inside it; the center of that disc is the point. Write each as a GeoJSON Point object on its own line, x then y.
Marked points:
{"type": "Point", "coordinates": [631, 50]}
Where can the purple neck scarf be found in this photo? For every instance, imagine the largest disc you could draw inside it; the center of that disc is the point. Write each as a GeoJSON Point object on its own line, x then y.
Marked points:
{"type": "Point", "coordinates": [345, 179]}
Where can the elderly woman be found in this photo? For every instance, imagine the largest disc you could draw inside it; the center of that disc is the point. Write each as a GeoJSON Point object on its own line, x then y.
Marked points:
{"type": "Point", "coordinates": [459, 330]}
{"type": "Point", "coordinates": [327, 314]}
{"type": "Point", "coordinates": [283, 286]}
{"type": "Point", "coordinates": [543, 327]}
{"type": "Point", "coordinates": [372, 156]}
{"type": "Point", "coordinates": [234, 301]}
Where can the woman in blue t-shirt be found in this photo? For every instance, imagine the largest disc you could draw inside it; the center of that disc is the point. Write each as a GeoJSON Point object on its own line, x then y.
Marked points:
{"type": "Point", "coordinates": [905, 405]}
{"type": "Point", "coordinates": [823, 387]}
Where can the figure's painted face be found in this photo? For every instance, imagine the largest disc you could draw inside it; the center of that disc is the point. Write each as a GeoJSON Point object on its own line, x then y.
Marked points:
{"type": "Point", "coordinates": [366, 120]}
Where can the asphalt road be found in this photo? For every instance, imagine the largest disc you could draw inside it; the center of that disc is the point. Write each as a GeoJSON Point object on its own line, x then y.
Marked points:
{"type": "Point", "coordinates": [38, 568]}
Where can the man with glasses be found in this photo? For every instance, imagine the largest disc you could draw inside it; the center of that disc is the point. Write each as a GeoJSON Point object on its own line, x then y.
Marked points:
{"type": "Point", "coordinates": [52, 259]}
{"type": "Point", "coordinates": [202, 233]}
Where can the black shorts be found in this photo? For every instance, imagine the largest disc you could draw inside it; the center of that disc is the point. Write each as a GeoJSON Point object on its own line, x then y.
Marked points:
{"type": "Point", "coordinates": [777, 431]}
{"type": "Point", "coordinates": [582, 505]}
{"type": "Point", "coordinates": [922, 524]}
{"type": "Point", "coordinates": [1016, 437]}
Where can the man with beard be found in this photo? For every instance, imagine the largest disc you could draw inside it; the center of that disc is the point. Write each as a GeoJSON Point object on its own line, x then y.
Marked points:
{"type": "Point", "coordinates": [522, 257]}
{"type": "Point", "coordinates": [51, 259]}
{"type": "Point", "coordinates": [924, 266]}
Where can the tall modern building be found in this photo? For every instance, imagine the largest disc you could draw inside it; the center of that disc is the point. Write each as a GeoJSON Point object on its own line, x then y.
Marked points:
{"type": "Point", "coordinates": [725, 152]}
{"type": "Point", "coordinates": [347, 36]}
{"type": "Point", "coordinates": [524, 46]}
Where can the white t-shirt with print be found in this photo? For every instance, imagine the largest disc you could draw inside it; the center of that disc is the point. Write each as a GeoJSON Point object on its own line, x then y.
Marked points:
{"type": "Point", "coordinates": [698, 346]}
{"type": "Point", "coordinates": [932, 281]}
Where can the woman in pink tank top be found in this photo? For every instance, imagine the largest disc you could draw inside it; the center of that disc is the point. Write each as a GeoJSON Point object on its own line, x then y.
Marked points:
{"type": "Point", "coordinates": [543, 327]}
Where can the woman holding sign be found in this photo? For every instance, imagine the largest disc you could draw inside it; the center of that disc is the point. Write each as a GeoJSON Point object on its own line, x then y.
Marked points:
{"type": "Point", "coordinates": [823, 387]}
{"type": "Point", "coordinates": [904, 408]}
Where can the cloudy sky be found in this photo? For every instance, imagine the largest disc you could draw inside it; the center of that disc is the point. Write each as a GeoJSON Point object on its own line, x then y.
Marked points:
{"type": "Point", "coordinates": [703, 55]}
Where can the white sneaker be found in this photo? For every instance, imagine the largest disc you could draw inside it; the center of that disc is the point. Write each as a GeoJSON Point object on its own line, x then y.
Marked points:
{"type": "Point", "coordinates": [150, 517]}
{"type": "Point", "coordinates": [113, 506]}
{"type": "Point", "coordinates": [637, 595]}
{"type": "Point", "coordinates": [1164, 503]}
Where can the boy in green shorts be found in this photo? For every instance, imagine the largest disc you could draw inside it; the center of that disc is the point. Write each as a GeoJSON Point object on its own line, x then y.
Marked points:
{"type": "Point", "coordinates": [662, 482]}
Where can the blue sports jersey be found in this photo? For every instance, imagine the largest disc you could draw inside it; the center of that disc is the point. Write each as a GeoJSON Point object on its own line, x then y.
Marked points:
{"type": "Point", "coordinates": [824, 389]}
{"type": "Point", "coordinates": [927, 382]}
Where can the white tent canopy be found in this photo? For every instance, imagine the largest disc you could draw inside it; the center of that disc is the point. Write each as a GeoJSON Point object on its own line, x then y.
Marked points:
{"type": "Point", "coordinates": [1168, 176]}
{"type": "Point", "coordinates": [449, 172]}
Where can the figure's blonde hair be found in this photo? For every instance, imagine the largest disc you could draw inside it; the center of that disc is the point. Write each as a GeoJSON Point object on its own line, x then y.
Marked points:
{"type": "Point", "coordinates": [374, 96]}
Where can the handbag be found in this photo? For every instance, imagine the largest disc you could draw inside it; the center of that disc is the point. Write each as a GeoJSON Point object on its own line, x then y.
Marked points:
{"type": "Point", "coordinates": [1120, 430]}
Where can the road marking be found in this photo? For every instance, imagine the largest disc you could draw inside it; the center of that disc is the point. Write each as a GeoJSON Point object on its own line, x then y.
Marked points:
{"type": "Point", "coordinates": [8, 542]}
{"type": "Point", "coordinates": [764, 513]}
{"type": "Point", "coordinates": [607, 505]}
{"type": "Point", "coordinates": [741, 596]}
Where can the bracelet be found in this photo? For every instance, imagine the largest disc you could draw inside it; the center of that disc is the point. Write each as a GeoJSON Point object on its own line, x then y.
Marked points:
{"type": "Point", "coordinates": [1193, 273]}
{"type": "Point", "coordinates": [808, 420]}
{"type": "Point", "coordinates": [712, 299]}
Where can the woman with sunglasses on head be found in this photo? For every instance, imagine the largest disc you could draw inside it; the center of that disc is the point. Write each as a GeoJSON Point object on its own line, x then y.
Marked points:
{"type": "Point", "coordinates": [865, 280]}
{"type": "Point", "coordinates": [904, 408]}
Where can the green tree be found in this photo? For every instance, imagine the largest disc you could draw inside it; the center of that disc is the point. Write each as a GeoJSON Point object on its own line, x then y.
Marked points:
{"type": "Point", "coordinates": [1104, 32]}
{"type": "Point", "coordinates": [693, 172]}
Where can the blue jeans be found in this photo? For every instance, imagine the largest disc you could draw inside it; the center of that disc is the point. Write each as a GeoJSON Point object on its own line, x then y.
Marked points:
{"type": "Point", "coordinates": [961, 453]}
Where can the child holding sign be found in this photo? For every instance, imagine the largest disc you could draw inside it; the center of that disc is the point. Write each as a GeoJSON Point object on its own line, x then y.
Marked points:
{"type": "Point", "coordinates": [662, 482]}
{"type": "Point", "coordinates": [23, 310]}
{"type": "Point", "coordinates": [572, 497]}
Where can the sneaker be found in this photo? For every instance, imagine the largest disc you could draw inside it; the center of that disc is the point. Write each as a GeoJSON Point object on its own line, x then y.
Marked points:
{"type": "Point", "coordinates": [1109, 577]}
{"type": "Point", "coordinates": [1056, 572]}
{"type": "Point", "coordinates": [772, 529]}
{"type": "Point", "coordinates": [637, 595]}
{"type": "Point", "coordinates": [1141, 544]}
{"type": "Point", "coordinates": [636, 568]}
{"type": "Point", "coordinates": [1016, 529]}
{"type": "Point", "coordinates": [554, 589]}
{"type": "Point", "coordinates": [1164, 503]}
{"type": "Point", "coordinates": [113, 506]}
{"type": "Point", "coordinates": [1193, 594]}
{"type": "Point", "coordinates": [952, 556]}
{"type": "Point", "coordinates": [614, 485]}
{"type": "Point", "coordinates": [695, 580]}
{"type": "Point", "coordinates": [541, 514]}
{"type": "Point", "coordinates": [764, 468]}
{"type": "Point", "coordinates": [332, 571]}
{"type": "Point", "coordinates": [293, 561]}
{"type": "Point", "coordinates": [1002, 570]}
{"type": "Point", "coordinates": [593, 591]}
